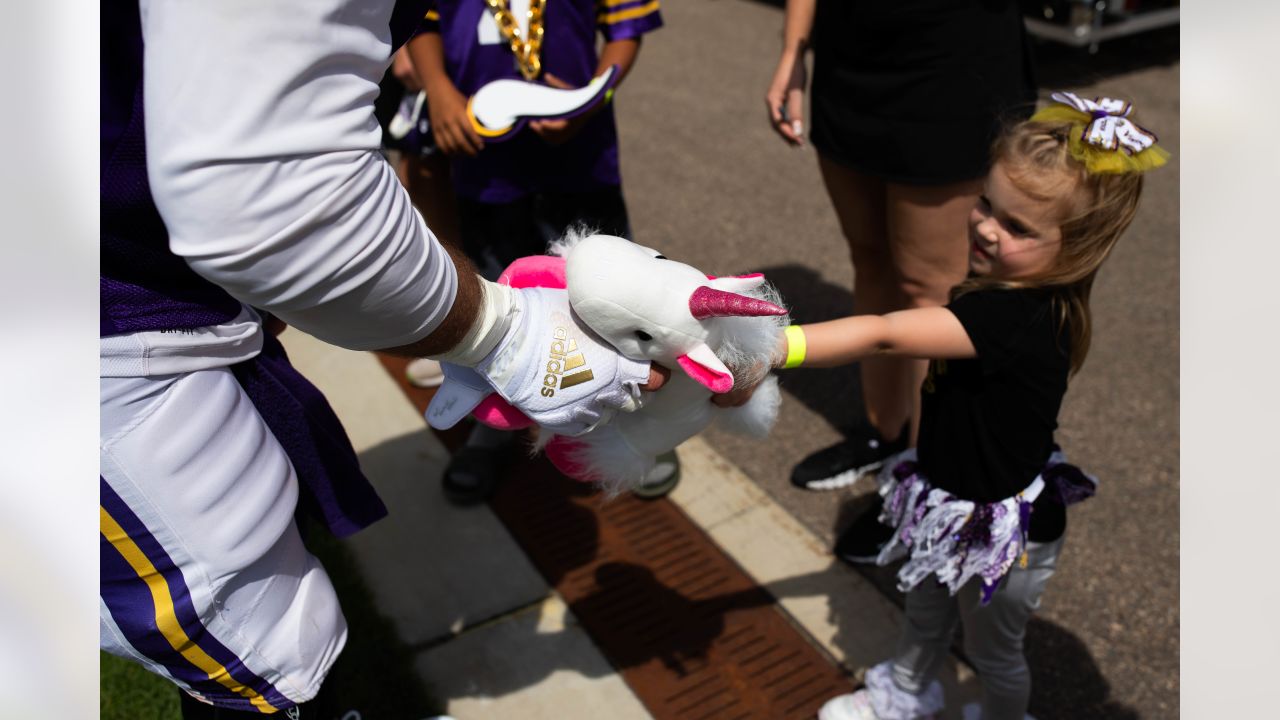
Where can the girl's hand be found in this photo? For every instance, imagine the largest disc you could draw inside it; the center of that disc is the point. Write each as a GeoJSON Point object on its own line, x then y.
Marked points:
{"type": "Point", "coordinates": [450, 124]}
{"type": "Point", "coordinates": [744, 387]}
{"type": "Point", "coordinates": [559, 132]}
{"type": "Point", "coordinates": [785, 98]}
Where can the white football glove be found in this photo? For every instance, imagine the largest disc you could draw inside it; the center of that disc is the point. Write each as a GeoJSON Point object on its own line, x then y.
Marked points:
{"type": "Point", "coordinates": [548, 366]}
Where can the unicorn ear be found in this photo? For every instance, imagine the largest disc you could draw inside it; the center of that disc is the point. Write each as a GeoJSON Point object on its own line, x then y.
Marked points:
{"type": "Point", "coordinates": [738, 284]}
{"type": "Point", "coordinates": [702, 365]}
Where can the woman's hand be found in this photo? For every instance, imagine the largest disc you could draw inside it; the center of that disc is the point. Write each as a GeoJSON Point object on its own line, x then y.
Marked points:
{"type": "Point", "coordinates": [450, 123]}
{"type": "Point", "coordinates": [785, 98]}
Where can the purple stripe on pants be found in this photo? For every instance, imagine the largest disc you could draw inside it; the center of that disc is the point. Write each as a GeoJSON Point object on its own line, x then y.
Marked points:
{"type": "Point", "coordinates": [131, 606]}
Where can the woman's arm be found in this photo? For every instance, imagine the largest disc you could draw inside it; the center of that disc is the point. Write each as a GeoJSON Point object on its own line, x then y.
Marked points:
{"type": "Point", "coordinates": [933, 332]}
{"type": "Point", "coordinates": [785, 97]}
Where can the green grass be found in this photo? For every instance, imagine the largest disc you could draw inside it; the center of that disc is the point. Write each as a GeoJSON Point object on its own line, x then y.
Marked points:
{"type": "Point", "coordinates": [374, 675]}
{"type": "Point", "coordinates": [129, 692]}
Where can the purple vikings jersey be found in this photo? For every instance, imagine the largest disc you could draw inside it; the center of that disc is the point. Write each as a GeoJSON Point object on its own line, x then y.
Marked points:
{"type": "Point", "coordinates": [475, 55]}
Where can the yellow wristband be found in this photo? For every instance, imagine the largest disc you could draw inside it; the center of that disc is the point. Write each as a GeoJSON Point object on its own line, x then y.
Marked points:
{"type": "Point", "coordinates": [795, 347]}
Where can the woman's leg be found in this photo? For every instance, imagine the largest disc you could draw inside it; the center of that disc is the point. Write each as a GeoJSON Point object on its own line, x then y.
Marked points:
{"type": "Point", "coordinates": [859, 202]}
{"type": "Point", "coordinates": [928, 243]}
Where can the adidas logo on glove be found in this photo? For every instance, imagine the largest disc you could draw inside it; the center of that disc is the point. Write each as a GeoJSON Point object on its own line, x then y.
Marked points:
{"type": "Point", "coordinates": [564, 358]}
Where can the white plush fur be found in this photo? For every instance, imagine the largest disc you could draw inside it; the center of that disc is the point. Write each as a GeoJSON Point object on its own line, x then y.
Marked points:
{"type": "Point", "coordinates": [622, 452]}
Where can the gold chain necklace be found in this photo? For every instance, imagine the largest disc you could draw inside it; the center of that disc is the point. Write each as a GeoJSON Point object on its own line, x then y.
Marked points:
{"type": "Point", "coordinates": [527, 50]}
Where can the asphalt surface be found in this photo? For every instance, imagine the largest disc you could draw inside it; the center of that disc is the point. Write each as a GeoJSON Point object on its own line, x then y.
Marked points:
{"type": "Point", "coordinates": [708, 182]}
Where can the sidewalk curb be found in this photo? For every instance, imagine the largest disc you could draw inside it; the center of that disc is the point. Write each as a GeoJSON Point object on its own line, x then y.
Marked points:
{"type": "Point", "coordinates": [841, 612]}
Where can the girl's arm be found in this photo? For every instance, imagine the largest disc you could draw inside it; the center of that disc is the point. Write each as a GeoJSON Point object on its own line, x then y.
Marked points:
{"type": "Point", "coordinates": [932, 332]}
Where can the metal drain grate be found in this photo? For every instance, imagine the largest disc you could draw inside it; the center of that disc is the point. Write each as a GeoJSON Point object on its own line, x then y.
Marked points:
{"type": "Point", "coordinates": [691, 633]}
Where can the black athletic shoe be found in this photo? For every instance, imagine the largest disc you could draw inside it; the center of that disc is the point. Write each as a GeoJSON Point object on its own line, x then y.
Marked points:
{"type": "Point", "coordinates": [860, 543]}
{"type": "Point", "coordinates": [473, 473]}
{"type": "Point", "coordinates": [842, 464]}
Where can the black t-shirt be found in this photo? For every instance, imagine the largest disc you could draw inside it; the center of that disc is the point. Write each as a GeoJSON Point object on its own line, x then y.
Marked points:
{"type": "Point", "coordinates": [987, 423]}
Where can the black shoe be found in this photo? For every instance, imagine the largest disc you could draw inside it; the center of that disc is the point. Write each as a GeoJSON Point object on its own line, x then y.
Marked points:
{"type": "Point", "coordinates": [841, 465]}
{"type": "Point", "coordinates": [473, 473]}
{"type": "Point", "coordinates": [861, 542]}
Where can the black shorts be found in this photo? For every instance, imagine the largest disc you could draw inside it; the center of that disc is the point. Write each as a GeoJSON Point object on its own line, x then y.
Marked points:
{"type": "Point", "coordinates": [915, 91]}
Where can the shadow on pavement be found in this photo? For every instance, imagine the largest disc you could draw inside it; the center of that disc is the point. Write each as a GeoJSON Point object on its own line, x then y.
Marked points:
{"type": "Point", "coordinates": [1065, 681]}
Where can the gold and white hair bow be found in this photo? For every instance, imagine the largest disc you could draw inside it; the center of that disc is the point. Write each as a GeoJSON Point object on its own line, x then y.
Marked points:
{"type": "Point", "coordinates": [1109, 126]}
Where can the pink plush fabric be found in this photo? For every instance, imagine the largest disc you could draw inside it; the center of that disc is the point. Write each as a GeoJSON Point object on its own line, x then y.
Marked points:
{"type": "Point", "coordinates": [535, 271]}
{"type": "Point", "coordinates": [560, 452]}
{"type": "Point", "coordinates": [500, 415]}
{"type": "Point", "coordinates": [716, 382]}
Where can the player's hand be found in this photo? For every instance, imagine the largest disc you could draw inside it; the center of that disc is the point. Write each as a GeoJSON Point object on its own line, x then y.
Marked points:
{"type": "Point", "coordinates": [547, 366]}
{"type": "Point", "coordinates": [658, 376]}
{"type": "Point", "coordinates": [447, 109]}
{"type": "Point", "coordinates": [785, 98]}
{"type": "Point", "coordinates": [559, 132]}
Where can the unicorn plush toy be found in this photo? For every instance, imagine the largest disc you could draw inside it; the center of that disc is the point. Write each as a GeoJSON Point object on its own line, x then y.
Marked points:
{"type": "Point", "coordinates": [710, 331]}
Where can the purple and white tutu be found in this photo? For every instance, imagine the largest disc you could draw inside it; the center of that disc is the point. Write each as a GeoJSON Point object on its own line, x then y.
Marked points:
{"type": "Point", "coordinates": [957, 539]}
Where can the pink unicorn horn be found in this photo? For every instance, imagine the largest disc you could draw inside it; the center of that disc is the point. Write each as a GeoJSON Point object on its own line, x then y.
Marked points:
{"type": "Point", "coordinates": [706, 302]}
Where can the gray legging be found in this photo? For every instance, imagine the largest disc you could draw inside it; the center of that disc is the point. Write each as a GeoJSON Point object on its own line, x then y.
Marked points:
{"type": "Point", "coordinates": [992, 634]}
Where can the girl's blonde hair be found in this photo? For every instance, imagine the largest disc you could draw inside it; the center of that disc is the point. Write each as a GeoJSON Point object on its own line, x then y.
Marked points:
{"type": "Point", "coordinates": [1096, 209]}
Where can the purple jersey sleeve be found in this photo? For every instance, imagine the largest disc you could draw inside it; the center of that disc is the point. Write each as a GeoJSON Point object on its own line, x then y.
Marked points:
{"type": "Point", "coordinates": [625, 19]}
{"type": "Point", "coordinates": [430, 21]}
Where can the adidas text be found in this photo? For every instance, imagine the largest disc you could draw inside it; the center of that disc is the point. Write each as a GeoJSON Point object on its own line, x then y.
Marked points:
{"type": "Point", "coordinates": [564, 358]}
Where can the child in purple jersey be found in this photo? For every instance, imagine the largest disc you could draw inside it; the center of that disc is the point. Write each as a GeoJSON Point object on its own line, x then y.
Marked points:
{"type": "Point", "coordinates": [517, 195]}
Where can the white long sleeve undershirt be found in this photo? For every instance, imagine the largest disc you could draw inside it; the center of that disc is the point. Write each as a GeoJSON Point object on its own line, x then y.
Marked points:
{"type": "Point", "coordinates": [263, 160]}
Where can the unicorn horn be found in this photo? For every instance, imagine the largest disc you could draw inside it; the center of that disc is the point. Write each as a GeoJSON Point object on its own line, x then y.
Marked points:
{"type": "Point", "coordinates": [706, 302]}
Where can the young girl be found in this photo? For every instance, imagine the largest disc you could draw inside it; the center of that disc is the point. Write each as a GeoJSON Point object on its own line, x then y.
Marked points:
{"type": "Point", "coordinates": [979, 508]}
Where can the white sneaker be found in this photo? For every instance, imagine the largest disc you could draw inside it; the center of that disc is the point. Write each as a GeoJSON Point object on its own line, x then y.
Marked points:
{"type": "Point", "coordinates": [424, 373]}
{"type": "Point", "coordinates": [406, 115]}
{"type": "Point", "coordinates": [662, 479]}
{"type": "Point", "coordinates": [854, 706]}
